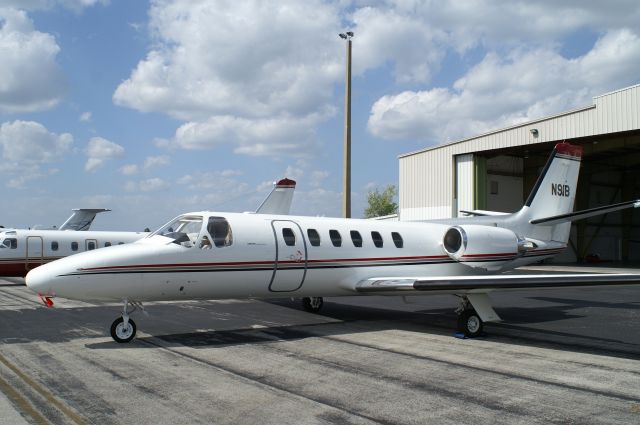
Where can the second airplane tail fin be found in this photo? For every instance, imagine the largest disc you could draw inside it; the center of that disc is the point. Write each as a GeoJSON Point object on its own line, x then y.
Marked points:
{"type": "Point", "coordinates": [81, 219]}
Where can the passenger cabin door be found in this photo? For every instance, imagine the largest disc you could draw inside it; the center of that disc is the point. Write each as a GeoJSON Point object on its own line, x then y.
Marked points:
{"type": "Point", "coordinates": [290, 267]}
{"type": "Point", "coordinates": [34, 254]}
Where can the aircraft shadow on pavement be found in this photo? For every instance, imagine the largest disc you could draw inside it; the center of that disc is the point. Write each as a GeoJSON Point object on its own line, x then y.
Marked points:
{"type": "Point", "coordinates": [234, 324]}
{"type": "Point", "coordinates": [350, 319]}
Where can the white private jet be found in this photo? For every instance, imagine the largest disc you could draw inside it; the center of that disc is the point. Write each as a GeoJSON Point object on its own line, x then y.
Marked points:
{"type": "Point", "coordinates": [213, 255]}
{"type": "Point", "coordinates": [22, 250]}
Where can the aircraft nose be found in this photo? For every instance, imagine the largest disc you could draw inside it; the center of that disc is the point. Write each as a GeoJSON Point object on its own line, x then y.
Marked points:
{"type": "Point", "coordinates": [39, 280]}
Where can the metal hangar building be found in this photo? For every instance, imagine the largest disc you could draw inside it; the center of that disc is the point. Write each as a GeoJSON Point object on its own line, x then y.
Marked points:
{"type": "Point", "coordinates": [495, 171]}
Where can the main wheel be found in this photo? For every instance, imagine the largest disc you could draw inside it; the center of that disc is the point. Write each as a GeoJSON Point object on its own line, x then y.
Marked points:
{"type": "Point", "coordinates": [312, 304]}
{"type": "Point", "coordinates": [470, 323]}
{"type": "Point", "coordinates": [123, 334]}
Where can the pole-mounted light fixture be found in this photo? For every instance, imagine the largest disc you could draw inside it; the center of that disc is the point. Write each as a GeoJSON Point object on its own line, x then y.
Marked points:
{"type": "Point", "coordinates": [346, 180]}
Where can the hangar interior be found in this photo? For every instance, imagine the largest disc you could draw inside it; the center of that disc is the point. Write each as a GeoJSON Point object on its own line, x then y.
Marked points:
{"type": "Point", "coordinates": [496, 171]}
{"type": "Point", "coordinates": [609, 173]}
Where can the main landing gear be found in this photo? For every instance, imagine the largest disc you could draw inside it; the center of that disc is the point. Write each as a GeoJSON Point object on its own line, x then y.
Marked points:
{"type": "Point", "coordinates": [469, 321]}
{"type": "Point", "coordinates": [123, 329]}
{"type": "Point", "coordinates": [312, 304]}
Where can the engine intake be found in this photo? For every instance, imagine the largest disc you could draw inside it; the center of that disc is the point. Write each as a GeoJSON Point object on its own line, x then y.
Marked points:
{"type": "Point", "coordinates": [484, 247]}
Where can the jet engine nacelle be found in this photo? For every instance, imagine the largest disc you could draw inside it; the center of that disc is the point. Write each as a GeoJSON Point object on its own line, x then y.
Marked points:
{"type": "Point", "coordinates": [483, 247]}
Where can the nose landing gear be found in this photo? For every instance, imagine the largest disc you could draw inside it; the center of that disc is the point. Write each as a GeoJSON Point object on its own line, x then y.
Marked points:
{"type": "Point", "coordinates": [312, 304]}
{"type": "Point", "coordinates": [123, 329]}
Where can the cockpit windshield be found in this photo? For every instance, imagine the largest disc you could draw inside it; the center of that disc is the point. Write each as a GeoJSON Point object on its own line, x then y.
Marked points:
{"type": "Point", "coordinates": [184, 230]}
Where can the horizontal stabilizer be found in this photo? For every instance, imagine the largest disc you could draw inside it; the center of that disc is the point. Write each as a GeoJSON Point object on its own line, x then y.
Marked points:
{"type": "Point", "coordinates": [483, 212]}
{"type": "Point", "coordinates": [81, 218]}
{"type": "Point", "coordinates": [464, 284]}
{"type": "Point", "coordinates": [579, 215]}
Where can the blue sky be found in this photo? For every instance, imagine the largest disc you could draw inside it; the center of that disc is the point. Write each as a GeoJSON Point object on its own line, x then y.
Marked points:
{"type": "Point", "coordinates": [162, 107]}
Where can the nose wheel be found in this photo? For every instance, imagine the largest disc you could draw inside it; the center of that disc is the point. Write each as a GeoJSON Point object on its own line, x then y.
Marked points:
{"type": "Point", "coordinates": [123, 329]}
{"type": "Point", "coordinates": [122, 332]}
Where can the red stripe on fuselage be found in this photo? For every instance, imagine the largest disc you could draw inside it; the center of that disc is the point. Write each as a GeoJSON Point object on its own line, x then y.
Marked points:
{"type": "Point", "coordinates": [261, 263]}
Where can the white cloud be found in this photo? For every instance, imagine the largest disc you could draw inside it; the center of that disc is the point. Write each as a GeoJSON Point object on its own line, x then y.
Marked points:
{"type": "Point", "coordinates": [30, 143]}
{"type": "Point", "coordinates": [156, 161]}
{"type": "Point", "coordinates": [100, 150]}
{"type": "Point", "coordinates": [223, 181]}
{"type": "Point", "coordinates": [148, 185]}
{"type": "Point", "coordinates": [318, 201]}
{"type": "Point", "coordinates": [257, 137]}
{"type": "Point", "coordinates": [464, 25]}
{"type": "Point", "coordinates": [318, 178]}
{"type": "Point", "coordinates": [85, 116]}
{"type": "Point", "coordinates": [74, 5]}
{"type": "Point", "coordinates": [295, 172]}
{"type": "Point", "coordinates": [26, 147]}
{"type": "Point", "coordinates": [30, 78]}
{"type": "Point", "coordinates": [205, 68]}
{"type": "Point", "coordinates": [31, 174]}
{"type": "Point", "coordinates": [501, 91]}
{"type": "Point", "coordinates": [129, 169]}
{"type": "Point", "coordinates": [390, 35]}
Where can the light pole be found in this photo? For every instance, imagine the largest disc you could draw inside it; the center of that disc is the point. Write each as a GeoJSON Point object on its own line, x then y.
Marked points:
{"type": "Point", "coordinates": [346, 175]}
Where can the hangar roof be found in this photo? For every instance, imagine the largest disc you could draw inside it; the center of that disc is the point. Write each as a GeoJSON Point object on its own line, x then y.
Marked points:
{"type": "Point", "coordinates": [612, 112]}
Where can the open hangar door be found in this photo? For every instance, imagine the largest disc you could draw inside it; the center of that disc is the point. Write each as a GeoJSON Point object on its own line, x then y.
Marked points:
{"type": "Point", "coordinates": [610, 173]}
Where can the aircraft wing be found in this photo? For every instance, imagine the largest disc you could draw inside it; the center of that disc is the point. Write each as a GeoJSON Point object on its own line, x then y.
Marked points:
{"type": "Point", "coordinates": [488, 283]}
{"type": "Point", "coordinates": [476, 288]}
{"type": "Point", "coordinates": [279, 200]}
{"type": "Point", "coordinates": [81, 219]}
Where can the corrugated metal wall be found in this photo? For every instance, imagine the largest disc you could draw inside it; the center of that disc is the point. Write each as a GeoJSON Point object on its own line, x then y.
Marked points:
{"type": "Point", "coordinates": [427, 177]}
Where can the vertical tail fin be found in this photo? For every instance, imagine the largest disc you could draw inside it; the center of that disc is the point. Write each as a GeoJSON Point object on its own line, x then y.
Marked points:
{"type": "Point", "coordinates": [81, 218]}
{"type": "Point", "coordinates": [279, 200]}
{"type": "Point", "coordinates": [554, 193]}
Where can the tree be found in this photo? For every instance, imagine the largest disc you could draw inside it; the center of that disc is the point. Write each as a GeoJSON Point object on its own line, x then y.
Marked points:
{"type": "Point", "coordinates": [381, 204]}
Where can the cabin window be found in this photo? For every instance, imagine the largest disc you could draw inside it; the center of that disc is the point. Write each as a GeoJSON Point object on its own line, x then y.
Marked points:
{"type": "Point", "coordinates": [91, 245]}
{"type": "Point", "coordinates": [335, 237]}
{"type": "Point", "coordinates": [74, 246]}
{"type": "Point", "coordinates": [356, 238]}
{"type": "Point", "coordinates": [288, 236]}
{"type": "Point", "coordinates": [377, 239]}
{"type": "Point", "coordinates": [397, 239]}
{"type": "Point", "coordinates": [11, 243]}
{"type": "Point", "coordinates": [314, 237]}
{"type": "Point", "coordinates": [106, 244]}
{"type": "Point", "coordinates": [220, 231]}
{"type": "Point", "coordinates": [54, 246]}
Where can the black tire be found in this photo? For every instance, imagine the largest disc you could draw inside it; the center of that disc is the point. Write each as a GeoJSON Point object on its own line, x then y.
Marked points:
{"type": "Point", "coordinates": [470, 323]}
{"type": "Point", "coordinates": [119, 334]}
{"type": "Point", "coordinates": [312, 304]}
